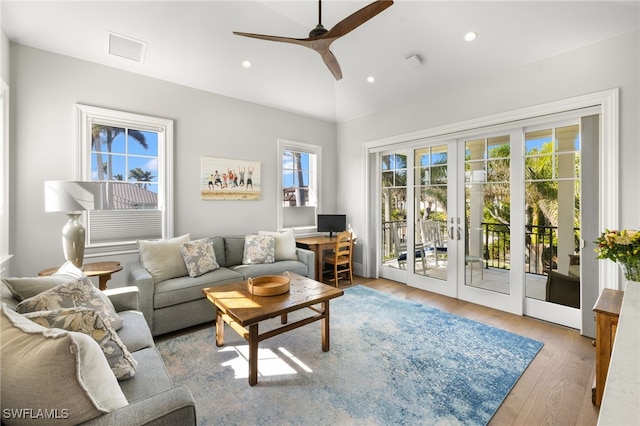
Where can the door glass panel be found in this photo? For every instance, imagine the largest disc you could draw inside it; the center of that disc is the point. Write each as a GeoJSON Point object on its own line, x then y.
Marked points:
{"type": "Point", "coordinates": [430, 191]}
{"type": "Point", "coordinates": [552, 221]}
{"type": "Point", "coordinates": [394, 216]}
{"type": "Point", "coordinates": [488, 213]}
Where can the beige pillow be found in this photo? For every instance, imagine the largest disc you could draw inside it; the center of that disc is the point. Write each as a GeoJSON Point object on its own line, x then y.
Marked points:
{"type": "Point", "coordinates": [91, 323]}
{"type": "Point", "coordinates": [162, 258]}
{"type": "Point", "coordinates": [80, 293]}
{"type": "Point", "coordinates": [24, 288]}
{"type": "Point", "coordinates": [285, 244]}
{"type": "Point", "coordinates": [52, 369]}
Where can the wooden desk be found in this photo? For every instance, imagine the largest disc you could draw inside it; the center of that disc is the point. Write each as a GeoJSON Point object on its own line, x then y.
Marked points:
{"type": "Point", "coordinates": [317, 245]}
{"type": "Point", "coordinates": [607, 311]}
{"type": "Point", "coordinates": [102, 270]}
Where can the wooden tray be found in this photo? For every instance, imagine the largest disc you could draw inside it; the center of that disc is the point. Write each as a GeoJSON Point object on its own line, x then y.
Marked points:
{"type": "Point", "coordinates": [268, 285]}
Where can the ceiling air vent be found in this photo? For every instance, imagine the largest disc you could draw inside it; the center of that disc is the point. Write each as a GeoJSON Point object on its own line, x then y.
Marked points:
{"type": "Point", "coordinates": [127, 47]}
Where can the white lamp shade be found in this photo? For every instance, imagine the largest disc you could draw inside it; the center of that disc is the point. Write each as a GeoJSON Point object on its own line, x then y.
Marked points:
{"type": "Point", "coordinates": [72, 196]}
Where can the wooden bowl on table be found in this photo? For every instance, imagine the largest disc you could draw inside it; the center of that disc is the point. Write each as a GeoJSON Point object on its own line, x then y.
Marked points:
{"type": "Point", "coordinates": [269, 285]}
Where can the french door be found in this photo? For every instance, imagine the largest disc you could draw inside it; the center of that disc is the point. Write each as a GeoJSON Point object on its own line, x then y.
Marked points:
{"type": "Point", "coordinates": [486, 217]}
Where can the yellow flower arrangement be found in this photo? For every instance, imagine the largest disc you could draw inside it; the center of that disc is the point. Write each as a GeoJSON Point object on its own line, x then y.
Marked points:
{"type": "Point", "coordinates": [622, 247]}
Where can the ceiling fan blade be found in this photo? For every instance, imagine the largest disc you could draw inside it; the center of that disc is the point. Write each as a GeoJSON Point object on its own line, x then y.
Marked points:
{"type": "Point", "coordinates": [300, 41]}
{"type": "Point", "coordinates": [332, 63]}
{"type": "Point", "coordinates": [358, 18]}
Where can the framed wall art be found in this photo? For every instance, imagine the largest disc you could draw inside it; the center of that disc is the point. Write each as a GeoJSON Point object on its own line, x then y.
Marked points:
{"type": "Point", "coordinates": [227, 179]}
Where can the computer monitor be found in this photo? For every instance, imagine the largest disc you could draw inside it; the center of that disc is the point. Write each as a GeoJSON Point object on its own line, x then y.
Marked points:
{"type": "Point", "coordinates": [332, 223]}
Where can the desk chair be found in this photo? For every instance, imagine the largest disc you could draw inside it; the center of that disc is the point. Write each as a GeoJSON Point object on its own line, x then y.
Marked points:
{"type": "Point", "coordinates": [341, 258]}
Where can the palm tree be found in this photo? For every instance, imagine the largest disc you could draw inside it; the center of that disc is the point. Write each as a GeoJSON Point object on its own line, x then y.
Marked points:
{"type": "Point", "coordinates": [299, 183]}
{"type": "Point", "coordinates": [140, 176]}
{"type": "Point", "coordinates": [101, 134]}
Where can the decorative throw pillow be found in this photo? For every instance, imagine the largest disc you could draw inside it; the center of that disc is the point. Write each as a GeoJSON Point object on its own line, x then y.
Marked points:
{"type": "Point", "coordinates": [259, 249]}
{"type": "Point", "coordinates": [90, 322]}
{"type": "Point", "coordinates": [69, 270]}
{"type": "Point", "coordinates": [162, 258]}
{"type": "Point", "coordinates": [285, 244]}
{"type": "Point", "coordinates": [199, 257]}
{"type": "Point", "coordinates": [73, 294]}
{"type": "Point", "coordinates": [24, 288]}
{"type": "Point", "coordinates": [54, 369]}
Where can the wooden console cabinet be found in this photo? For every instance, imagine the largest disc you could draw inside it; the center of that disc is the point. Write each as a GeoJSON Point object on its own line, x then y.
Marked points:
{"type": "Point", "coordinates": [607, 311]}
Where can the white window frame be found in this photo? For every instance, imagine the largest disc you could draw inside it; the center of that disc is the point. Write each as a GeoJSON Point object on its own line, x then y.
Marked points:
{"type": "Point", "coordinates": [314, 182]}
{"type": "Point", "coordinates": [87, 115]}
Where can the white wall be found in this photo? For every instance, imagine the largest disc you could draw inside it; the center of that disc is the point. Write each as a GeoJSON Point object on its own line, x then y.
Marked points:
{"type": "Point", "coordinates": [45, 90]}
{"type": "Point", "coordinates": [606, 65]}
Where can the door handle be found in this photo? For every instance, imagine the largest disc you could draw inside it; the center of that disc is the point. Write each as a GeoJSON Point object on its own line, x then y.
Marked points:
{"type": "Point", "coordinates": [459, 233]}
{"type": "Point", "coordinates": [451, 232]}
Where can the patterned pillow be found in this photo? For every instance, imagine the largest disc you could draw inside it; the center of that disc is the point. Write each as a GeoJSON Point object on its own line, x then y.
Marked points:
{"type": "Point", "coordinates": [54, 369]}
{"type": "Point", "coordinates": [259, 249]}
{"type": "Point", "coordinates": [90, 322]}
{"type": "Point", "coordinates": [73, 294]}
{"type": "Point", "coordinates": [199, 257]}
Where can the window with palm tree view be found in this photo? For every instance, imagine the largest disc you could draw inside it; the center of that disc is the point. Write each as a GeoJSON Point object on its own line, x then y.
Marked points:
{"type": "Point", "coordinates": [121, 155]}
{"type": "Point", "coordinates": [130, 154]}
{"type": "Point", "coordinates": [299, 164]}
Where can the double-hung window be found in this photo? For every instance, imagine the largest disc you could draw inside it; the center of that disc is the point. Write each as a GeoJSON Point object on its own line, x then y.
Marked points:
{"type": "Point", "coordinates": [299, 165]}
{"type": "Point", "coordinates": [132, 155]}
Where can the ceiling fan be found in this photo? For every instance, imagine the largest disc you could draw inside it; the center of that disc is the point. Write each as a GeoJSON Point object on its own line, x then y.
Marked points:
{"type": "Point", "coordinates": [320, 38]}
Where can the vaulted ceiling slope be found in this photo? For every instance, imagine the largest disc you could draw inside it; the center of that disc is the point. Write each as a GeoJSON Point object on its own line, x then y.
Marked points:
{"type": "Point", "coordinates": [192, 43]}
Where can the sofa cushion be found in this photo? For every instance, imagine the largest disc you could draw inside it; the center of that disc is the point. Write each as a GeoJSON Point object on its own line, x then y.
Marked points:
{"type": "Point", "coordinates": [218, 249]}
{"type": "Point", "coordinates": [135, 333]}
{"type": "Point", "coordinates": [199, 257]}
{"type": "Point", "coordinates": [54, 369]}
{"type": "Point", "coordinates": [277, 268]}
{"type": "Point", "coordinates": [259, 249]}
{"type": "Point", "coordinates": [78, 293]}
{"type": "Point", "coordinates": [185, 289]}
{"type": "Point", "coordinates": [150, 379]}
{"type": "Point", "coordinates": [162, 258]}
{"type": "Point", "coordinates": [24, 288]}
{"type": "Point", "coordinates": [233, 250]}
{"type": "Point", "coordinates": [91, 323]}
{"type": "Point", "coordinates": [285, 244]}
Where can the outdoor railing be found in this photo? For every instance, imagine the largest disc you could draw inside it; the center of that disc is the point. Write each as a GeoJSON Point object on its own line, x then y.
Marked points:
{"type": "Point", "coordinates": [540, 251]}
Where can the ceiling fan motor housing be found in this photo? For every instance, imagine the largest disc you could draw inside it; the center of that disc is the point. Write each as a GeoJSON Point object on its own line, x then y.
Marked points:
{"type": "Point", "coordinates": [318, 31]}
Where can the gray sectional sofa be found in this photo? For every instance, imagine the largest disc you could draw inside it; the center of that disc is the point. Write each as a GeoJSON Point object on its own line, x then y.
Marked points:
{"type": "Point", "coordinates": [176, 303]}
{"type": "Point", "coordinates": [151, 395]}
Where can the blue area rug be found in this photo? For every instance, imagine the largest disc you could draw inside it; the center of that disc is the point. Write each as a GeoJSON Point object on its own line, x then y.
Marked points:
{"type": "Point", "coordinates": [392, 361]}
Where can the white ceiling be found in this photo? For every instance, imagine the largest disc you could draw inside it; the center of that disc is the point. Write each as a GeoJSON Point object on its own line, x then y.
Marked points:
{"type": "Point", "coordinates": [191, 43]}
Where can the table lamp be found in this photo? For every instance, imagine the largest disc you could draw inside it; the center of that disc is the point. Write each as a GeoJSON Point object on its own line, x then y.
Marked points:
{"type": "Point", "coordinates": [73, 197]}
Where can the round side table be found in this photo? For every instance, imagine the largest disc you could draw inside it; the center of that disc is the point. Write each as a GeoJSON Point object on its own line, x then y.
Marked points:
{"type": "Point", "coordinates": [102, 270]}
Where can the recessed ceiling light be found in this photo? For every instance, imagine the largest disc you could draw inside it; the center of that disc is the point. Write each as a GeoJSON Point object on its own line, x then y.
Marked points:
{"type": "Point", "coordinates": [246, 64]}
{"type": "Point", "coordinates": [371, 79]}
{"type": "Point", "coordinates": [470, 36]}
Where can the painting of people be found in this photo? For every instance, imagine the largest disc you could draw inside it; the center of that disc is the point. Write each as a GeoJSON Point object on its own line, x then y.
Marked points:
{"type": "Point", "coordinates": [227, 179]}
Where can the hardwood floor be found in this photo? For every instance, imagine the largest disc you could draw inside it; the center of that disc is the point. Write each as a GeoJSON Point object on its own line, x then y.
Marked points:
{"type": "Point", "coordinates": [555, 389]}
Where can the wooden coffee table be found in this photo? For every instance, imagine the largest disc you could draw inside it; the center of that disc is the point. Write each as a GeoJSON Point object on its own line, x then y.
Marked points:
{"type": "Point", "coordinates": [244, 311]}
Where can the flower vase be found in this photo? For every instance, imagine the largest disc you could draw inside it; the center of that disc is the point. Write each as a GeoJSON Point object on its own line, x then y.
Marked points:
{"type": "Point", "coordinates": [631, 271]}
